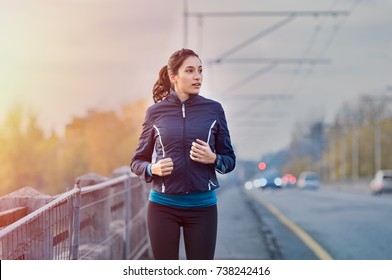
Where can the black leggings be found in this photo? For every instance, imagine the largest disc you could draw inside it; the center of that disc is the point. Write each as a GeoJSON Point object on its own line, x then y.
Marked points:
{"type": "Point", "coordinates": [199, 227]}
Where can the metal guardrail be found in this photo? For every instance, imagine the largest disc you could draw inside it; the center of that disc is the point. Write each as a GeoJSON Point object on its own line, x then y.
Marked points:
{"type": "Point", "coordinates": [102, 221]}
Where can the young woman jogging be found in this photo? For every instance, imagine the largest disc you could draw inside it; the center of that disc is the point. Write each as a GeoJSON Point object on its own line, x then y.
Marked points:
{"type": "Point", "coordinates": [184, 141]}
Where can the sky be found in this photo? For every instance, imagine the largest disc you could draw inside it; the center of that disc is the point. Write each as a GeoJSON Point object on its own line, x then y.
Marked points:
{"type": "Point", "coordinates": [61, 58]}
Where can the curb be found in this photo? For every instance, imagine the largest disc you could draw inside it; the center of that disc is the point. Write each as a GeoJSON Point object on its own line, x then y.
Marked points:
{"type": "Point", "coordinates": [268, 237]}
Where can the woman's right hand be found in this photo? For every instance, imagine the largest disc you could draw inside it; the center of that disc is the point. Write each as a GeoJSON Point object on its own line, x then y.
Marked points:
{"type": "Point", "coordinates": [163, 167]}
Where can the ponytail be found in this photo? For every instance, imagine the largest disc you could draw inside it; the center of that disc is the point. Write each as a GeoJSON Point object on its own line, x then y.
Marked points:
{"type": "Point", "coordinates": [162, 86]}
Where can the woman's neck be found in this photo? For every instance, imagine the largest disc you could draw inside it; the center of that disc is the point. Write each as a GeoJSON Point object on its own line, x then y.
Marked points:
{"type": "Point", "coordinates": [182, 96]}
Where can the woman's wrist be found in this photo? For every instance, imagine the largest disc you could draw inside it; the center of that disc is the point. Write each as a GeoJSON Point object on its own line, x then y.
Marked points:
{"type": "Point", "coordinates": [215, 160]}
{"type": "Point", "coordinates": [151, 167]}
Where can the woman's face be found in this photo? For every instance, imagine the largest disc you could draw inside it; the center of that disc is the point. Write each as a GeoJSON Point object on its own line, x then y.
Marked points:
{"type": "Point", "coordinates": [189, 77]}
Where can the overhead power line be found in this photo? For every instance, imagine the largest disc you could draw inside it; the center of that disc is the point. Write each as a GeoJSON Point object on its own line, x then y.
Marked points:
{"type": "Point", "coordinates": [253, 39]}
{"type": "Point", "coordinates": [269, 14]}
{"type": "Point", "coordinates": [289, 16]}
{"type": "Point", "coordinates": [271, 63]}
{"type": "Point", "coordinates": [250, 77]}
{"type": "Point", "coordinates": [255, 97]}
{"type": "Point", "coordinates": [299, 61]}
{"type": "Point", "coordinates": [322, 52]}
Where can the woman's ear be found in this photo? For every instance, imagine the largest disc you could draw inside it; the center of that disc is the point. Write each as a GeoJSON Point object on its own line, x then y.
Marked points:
{"type": "Point", "coordinates": [172, 78]}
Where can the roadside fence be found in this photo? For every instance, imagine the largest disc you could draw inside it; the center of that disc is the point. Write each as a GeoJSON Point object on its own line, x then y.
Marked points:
{"type": "Point", "coordinates": [106, 220]}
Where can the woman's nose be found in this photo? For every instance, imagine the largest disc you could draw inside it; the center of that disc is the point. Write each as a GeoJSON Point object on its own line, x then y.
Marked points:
{"type": "Point", "coordinates": [197, 76]}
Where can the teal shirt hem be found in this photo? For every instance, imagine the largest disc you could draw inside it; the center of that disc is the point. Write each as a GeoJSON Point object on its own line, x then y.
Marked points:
{"type": "Point", "coordinates": [192, 200]}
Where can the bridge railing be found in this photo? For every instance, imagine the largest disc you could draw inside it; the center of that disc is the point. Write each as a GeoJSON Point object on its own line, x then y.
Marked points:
{"type": "Point", "coordinates": [101, 221]}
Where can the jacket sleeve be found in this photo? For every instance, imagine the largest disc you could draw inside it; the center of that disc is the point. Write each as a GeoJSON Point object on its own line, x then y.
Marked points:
{"type": "Point", "coordinates": [144, 150]}
{"type": "Point", "coordinates": [223, 148]}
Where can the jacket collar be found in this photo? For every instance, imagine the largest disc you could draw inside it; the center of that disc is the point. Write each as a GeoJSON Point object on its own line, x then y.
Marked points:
{"type": "Point", "coordinates": [172, 97]}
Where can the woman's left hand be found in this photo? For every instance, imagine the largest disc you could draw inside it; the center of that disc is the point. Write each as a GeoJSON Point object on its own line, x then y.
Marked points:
{"type": "Point", "coordinates": [201, 152]}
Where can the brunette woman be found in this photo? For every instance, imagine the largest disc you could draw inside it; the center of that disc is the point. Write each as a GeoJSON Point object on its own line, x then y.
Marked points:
{"type": "Point", "coordinates": [184, 142]}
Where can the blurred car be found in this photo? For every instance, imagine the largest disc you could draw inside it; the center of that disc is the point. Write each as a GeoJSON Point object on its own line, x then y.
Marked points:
{"type": "Point", "coordinates": [382, 182]}
{"type": "Point", "coordinates": [289, 181]}
{"type": "Point", "coordinates": [271, 182]}
{"type": "Point", "coordinates": [308, 180]}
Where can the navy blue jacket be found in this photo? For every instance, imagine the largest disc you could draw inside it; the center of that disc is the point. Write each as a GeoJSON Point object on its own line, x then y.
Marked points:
{"type": "Point", "coordinates": [169, 128]}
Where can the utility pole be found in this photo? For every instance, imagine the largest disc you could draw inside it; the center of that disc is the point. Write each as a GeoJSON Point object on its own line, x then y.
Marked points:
{"type": "Point", "coordinates": [186, 16]}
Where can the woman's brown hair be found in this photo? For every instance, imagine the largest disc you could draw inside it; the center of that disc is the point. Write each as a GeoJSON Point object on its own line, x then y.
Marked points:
{"type": "Point", "coordinates": [163, 85]}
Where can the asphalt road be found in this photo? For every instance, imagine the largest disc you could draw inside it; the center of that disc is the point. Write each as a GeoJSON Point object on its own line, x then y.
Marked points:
{"type": "Point", "coordinates": [302, 225]}
{"type": "Point", "coordinates": [328, 223]}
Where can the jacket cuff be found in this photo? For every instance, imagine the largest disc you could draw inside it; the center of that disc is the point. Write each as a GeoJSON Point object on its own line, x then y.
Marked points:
{"type": "Point", "coordinates": [147, 174]}
{"type": "Point", "coordinates": [148, 170]}
{"type": "Point", "coordinates": [218, 164]}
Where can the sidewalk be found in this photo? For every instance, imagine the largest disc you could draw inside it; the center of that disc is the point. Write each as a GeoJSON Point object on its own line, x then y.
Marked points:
{"type": "Point", "coordinates": [241, 234]}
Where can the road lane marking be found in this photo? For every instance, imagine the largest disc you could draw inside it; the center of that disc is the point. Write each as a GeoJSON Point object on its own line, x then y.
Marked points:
{"type": "Point", "coordinates": [312, 244]}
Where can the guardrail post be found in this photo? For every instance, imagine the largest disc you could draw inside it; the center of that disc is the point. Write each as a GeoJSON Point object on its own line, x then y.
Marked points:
{"type": "Point", "coordinates": [125, 170]}
{"type": "Point", "coordinates": [127, 222]}
{"type": "Point", "coordinates": [75, 241]}
{"type": "Point", "coordinates": [95, 216]}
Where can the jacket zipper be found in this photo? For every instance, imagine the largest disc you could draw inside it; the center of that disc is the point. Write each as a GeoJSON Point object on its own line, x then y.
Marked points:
{"type": "Point", "coordinates": [183, 110]}
{"type": "Point", "coordinates": [183, 139]}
